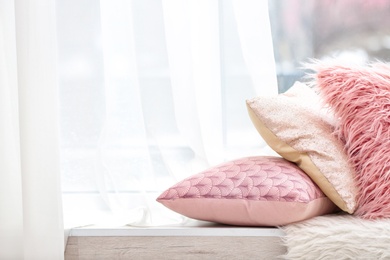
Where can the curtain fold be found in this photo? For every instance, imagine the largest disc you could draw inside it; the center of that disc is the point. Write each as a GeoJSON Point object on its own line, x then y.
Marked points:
{"type": "Point", "coordinates": [11, 203]}
{"type": "Point", "coordinates": [30, 202]}
{"type": "Point", "coordinates": [193, 48]}
{"type": "Point", "coordinates": [254, 30]}
{"type": "Point", "coordinates": [124, 126]}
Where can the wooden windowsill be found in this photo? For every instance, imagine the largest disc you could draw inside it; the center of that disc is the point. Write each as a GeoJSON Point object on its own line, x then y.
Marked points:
{"type": "Point", "coordinates": [203, 241]}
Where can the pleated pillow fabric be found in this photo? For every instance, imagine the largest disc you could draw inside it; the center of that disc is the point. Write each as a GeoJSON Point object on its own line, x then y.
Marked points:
{"type": "Point", "coordinates": [251, 191]}
{"type": "Point", "coordinates": [360, 99]}
{"type": "Point", "coordinates": [295, 125]}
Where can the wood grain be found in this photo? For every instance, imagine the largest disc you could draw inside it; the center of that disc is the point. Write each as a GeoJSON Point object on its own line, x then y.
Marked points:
{"type": "Point", "coordinates": [88, 248]}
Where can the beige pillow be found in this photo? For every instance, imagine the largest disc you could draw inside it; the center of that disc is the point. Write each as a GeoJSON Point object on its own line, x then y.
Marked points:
{"type": "Point", "coordinates": [295, 126]}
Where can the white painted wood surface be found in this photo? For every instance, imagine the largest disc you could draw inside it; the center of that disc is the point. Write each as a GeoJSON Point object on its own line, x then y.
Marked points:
{"type": "Point", "coordinates": [216, 230]}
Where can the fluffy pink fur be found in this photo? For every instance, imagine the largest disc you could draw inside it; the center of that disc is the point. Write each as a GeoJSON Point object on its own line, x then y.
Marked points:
{"type": "Point", "coordinates": [360, 98]}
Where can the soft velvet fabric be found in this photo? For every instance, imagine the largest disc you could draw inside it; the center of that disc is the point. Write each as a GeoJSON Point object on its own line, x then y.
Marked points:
{"type": "Point", "coordinates": [252, 191]}
{"type": "Point", "coordinates": [295, 125]}
{"type": "Point", "coordinates": [360, 99]}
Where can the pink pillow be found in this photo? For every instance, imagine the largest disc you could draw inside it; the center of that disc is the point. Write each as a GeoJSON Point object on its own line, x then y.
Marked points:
{"type": "Point", "coordinates": [360, 98]}
{"type": "Point", "coordinates": [252, 191]}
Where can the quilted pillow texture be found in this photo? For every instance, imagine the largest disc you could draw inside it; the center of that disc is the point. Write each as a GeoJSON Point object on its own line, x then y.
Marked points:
{"type": "Point", "coordinates": [295, 126]}
{"type": "Point", "coordinates": [360, 98]}
{"type": "Point", "coordinates": [252, 191]}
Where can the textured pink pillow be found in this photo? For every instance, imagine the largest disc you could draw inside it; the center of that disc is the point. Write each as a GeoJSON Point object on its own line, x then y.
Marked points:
{"type": "Point", "coordinates": [252, 191]}
{"type": "Point", "coordinates": [360, 98]}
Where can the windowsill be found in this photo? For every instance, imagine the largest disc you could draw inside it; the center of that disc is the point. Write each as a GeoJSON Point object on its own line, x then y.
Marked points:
{"type": "Point", "coordinates": [202, 240]}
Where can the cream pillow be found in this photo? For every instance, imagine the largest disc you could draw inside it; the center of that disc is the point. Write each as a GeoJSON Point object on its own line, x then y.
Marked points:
{"type": "Point", "coordinates": [296, 127]}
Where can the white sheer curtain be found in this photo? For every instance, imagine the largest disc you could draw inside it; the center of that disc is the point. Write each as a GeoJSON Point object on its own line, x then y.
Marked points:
{"type": "Point", "coordinates": [168, 82]}
{"type": "Point", "coordinates": [30, 195]}
{"type": "Point", "coordinates": [254, 30]}
{"type": "Point", "coordinates": [193, 47]}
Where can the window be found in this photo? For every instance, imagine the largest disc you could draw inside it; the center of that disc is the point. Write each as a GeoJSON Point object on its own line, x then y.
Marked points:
{"type": "Point", "coordinates": [121, 142]}
{"type": "Point", "coordinates": [347, 29]}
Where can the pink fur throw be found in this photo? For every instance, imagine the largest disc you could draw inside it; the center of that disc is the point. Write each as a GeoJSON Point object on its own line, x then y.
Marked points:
{"type": "Point", "coordinates": [360, 99]}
